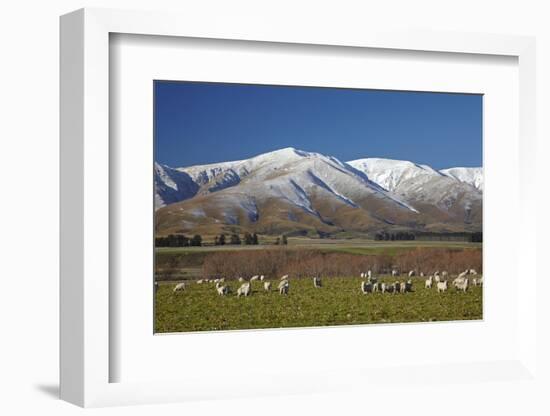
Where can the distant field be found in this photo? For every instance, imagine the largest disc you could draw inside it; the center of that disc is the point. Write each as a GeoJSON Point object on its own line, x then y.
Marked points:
{"type": "Point", "coordinates": [188, 260]}
{"type": "Point", "coordinates": [338, 302]}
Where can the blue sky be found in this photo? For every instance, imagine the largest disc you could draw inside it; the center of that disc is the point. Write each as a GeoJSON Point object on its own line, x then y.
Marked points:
{"type": "Point", "coordinates": [198, 123]}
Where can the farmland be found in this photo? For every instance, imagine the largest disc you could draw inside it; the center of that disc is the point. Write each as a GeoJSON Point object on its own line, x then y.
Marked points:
{"type": "Point", "coordinates": [338, 302]}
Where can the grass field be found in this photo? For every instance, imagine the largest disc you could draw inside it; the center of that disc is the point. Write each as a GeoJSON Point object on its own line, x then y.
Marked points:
{"type": "Point", "coordinates": [338, 302]}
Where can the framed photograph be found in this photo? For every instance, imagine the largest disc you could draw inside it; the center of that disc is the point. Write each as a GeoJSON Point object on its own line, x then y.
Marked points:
{"type": "Point", "coordinates": [282, 206]}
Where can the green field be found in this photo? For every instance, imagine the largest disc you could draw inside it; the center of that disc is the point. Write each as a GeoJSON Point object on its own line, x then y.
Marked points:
{"type": "Point", "coordinates": [338, 302]}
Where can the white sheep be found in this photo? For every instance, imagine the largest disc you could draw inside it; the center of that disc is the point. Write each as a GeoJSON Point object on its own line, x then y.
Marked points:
{"type": "Point", "coordinates": [241, 279]}
{"type": "Point", "coordinates": [444, 275]}
{"type": "Point", "coordinates": [362, 275]}
{"type": "Point", "coordinates": [222, 289]}
{"type": "Point", "coordinates": [473, 271]}
{"type": "Point", "coordinates": [382, 287]}
{"type": "Point", "coordinates": [200, 281]}
{"type": "Point", "coordinates": [267, 286]}
{"type": "Point", "coordinates": [283, 287]}
{"type": "Point", "coordinates": [369, 274]}
{"type": "Point", "coordinates": [429, 282]}
{"type": "Point", "coordinates": [375, 287]}
{"type": "Point", "coordinates": [409, 286]}
{"type": "Point", "coordinates": [411, 273]}
{"type": "Point", "coordinates": [366, 287]}
{"type": "Point", "coordinates": [180, 287]}
{"type": "Point", "coordinates": [394, 272]}
{"type": "Point", "coordinates": [317, 282]}
{"type": "Point", "coordinates": [156, 286]}
{"type": "Point", "coordinates": [262, 277]}
{"type": "Point", "coordinates": [390, 288]}
{"type": "Point", "coordinates": [461, 275]}
{"type": "Point", "coordinates": [244, 289]}
{"type": "Point", "coordinates": [255, 277]}
{"type": "Point", "coordinates": [373, 280]}
{"type": "Point", "coordinates": [442, 286]}
{"type": "Point", "coordinates": [285, 277]}
{"type": "Point", "coordinates": [477, 281]}
{"type": "Point", "coordinates": [462, 285]}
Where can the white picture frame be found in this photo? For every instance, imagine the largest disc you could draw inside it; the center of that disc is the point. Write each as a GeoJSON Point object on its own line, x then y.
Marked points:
{"type": "Point", "coordinates": [86, 356]}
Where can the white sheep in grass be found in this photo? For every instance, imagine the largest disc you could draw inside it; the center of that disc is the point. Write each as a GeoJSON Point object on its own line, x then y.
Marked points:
{"type": "Point", "coordinates": [394, 272]}
{"type": "Point", "coordinates": [429, 282]}
{"type": "Point", "coordinates": [283, 287]}
{"type": "Point", "coordinates": [200, 281]}
{"type": "Point", "coordinates": [382, 287]}
{"type": "Point", "coordinates": [221, 280]}
{"type": "Point", "coordinates": [317, 282]}
{"type": "Point", "coordinates": [222, 289]}
{"type": "Point", "coordinates": [262, 277]}
{"type": "Point", "coordinates": [437, 278]}
{"type": "Point", "coordinates": [461, 275]}
{"type": "Point", "coordinates": [180, 287]}
{"type": "Point", "coordinates": [473, 271]}
{"type": "Point", "coordinates": [421, 274]}
{"type": "Point", "coordinates": [462, 285]}
{"type": "Point", "coordinates": [409, 286]}
{"type": "Point", "coordinates": [390, 288]}
{"type": "Point", "coordinates": [411, 273]}
{"type": "Point", "coordinates": [366, 287]}
{"type": "Point", "coordinates": [267, 286]}
{"type": "Point", "coordinates": [369, 274]}
{"type": "Point", "coordinates": [375, 287]}
{"type": "Point", "coordinates": [362, 275]}
{"type": "Point", "coordinates": [442, 286]}
{"type": "Point", "coordinates": [255, 277]}
{"type": "Point", "coordinates": [477, 281]}
{"type": "Point", "coordinates": [156, 286]}
{"type": "Point", "coordinates": [285, 277]}
{"type": "Point", "coordinates": [241, 279]}
{"type": "Point", "coordinates": [444, 275]}
{"type": "Point", "coordinates": [373, 280]}
{"type": "Point", "coordinates": [244, 289]}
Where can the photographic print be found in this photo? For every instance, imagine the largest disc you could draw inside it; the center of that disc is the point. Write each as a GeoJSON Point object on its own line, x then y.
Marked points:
{"type": "Point", "coordinates": [292, 206]}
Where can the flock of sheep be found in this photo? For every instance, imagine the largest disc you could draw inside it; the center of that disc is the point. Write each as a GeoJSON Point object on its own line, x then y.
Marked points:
{"type": "Point", "coordinates": [369, 285]}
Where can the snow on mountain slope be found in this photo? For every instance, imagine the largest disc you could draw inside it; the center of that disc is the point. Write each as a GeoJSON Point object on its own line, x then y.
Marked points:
{"type": "Point", "coordinates": [289, 186]}
{"type": "Point", "coordinates": [172, 186]}
{"type": "Point", "coordinates": [472, 176]}
{"type": "Point", "coordinates": [389, 173]}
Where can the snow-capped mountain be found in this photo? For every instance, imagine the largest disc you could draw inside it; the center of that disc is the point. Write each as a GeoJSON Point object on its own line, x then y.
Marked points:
{"type": "Point", "coordinates": [290, 190]}
{"type": "Point", "coordinates": [472, 176]}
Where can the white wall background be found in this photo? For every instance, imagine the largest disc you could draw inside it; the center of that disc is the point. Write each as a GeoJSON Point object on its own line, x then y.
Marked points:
{"type": "Point", "coordinates": [29, 184]}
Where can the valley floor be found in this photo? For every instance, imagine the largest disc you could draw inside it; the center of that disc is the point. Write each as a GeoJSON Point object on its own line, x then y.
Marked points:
{"type": "Point", "coordinates": [339, 302]}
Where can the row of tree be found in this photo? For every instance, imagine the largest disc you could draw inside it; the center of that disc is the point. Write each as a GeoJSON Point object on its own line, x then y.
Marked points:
{"type": "Point", "coordinates": [178, 240]}
{"type": "Point", "coordinates": [235, 239]}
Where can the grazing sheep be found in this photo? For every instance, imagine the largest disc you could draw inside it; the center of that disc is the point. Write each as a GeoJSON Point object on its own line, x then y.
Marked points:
{"type": "Point", "coordinates": [472, 271]}
{"type": "Point", "coordinates": [262, 277]}
{"type": "Point", "coordinates": [390, 288]}
{"type": "Point", "coordinates": [317, 282]}
{"type": "Point", "coordinates": [394, 272]}
{"type": "Point", "coordinates": [362, 275]}
{"type": "Point", "coordinates": [221, 280]}
{"type": "Point", "coordinates": [369, 274]}
{"type": "Point", "coordinates": [222, 289]}
{"type": "Point", "coordinates": [180, 287]}
{"type": "Point", "coordinates": [267, 286]}
{"type": "Point", "coordinates": [429, 282]}
{"type": "Point", "coordinates": [256, 277]}
{"type": "Point", "coordinates": [200, 281]}
{"type": "Point", "coordinates": [461, 275]}
{"type": "Point", "coordinates": [283, 287]}
{"type": "Point", "coordinates": [411, 273]}
{"type": "Point", "coordinates": [241, 279]}
{"type": "Point", "coordinates": [244, 290]}
{"type": "Point", "coordinates": [366, 287]}
{"type": "Point", "coordinates": [444, 275]}
{"type": "Point", "coordinates": [441, 286]}
{"type": "Point", "coordinates": [375, 287]}
{"type": "Point", "coordinates": [477, 282]}
{"type": "Point", "coordinates": [421, 274]}
{"type": "Point", "coordinates": [285, 277]}
{"type": "Point", "coordinates": [462, 285]}
{"type": "Point", "coordinates": [383, 287]}
{"type": "Point", "coordinates": [409, 286]}
{"type": "Point", "coordinates": [373, 280]}
{"type": "Point", "coordinates": [437, 278]}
